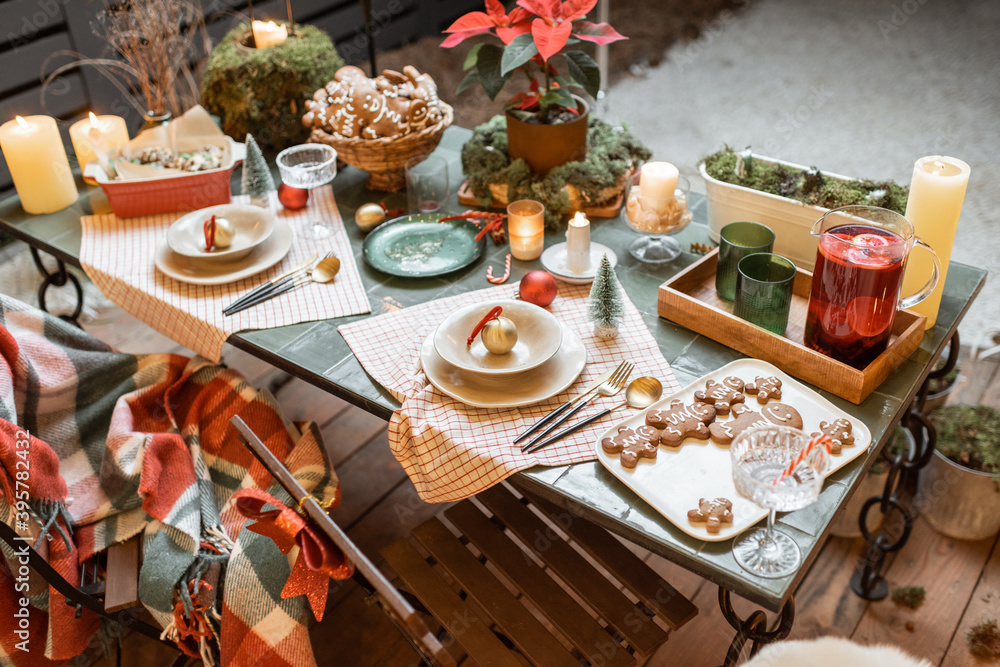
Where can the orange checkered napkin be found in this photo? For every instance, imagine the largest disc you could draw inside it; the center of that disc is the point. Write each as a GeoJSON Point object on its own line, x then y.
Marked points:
{"type": "Point", "coordinates": [451, 450]}
{"type": "Point", "coordinates": [118, 256]}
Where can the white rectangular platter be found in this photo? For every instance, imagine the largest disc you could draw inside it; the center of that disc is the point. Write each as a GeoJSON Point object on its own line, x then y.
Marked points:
{"type": "Point", "coordinates": [679, 476]}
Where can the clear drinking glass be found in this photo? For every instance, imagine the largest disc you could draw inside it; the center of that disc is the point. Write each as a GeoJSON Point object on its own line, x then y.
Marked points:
{"type": "Point", "coordinates": [427, 187]}
{"type": "Point", "coordinates": [309, 166]}
{"type": "Point", "coordinates": [761, 456]}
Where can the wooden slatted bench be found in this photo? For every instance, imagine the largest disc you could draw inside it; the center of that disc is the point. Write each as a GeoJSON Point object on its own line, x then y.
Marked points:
{"type": "Point", "coordinates": [509, 586]}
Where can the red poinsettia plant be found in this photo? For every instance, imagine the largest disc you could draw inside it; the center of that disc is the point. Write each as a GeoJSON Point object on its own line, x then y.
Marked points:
{"type": "Point", "coordinates": [533, 34]}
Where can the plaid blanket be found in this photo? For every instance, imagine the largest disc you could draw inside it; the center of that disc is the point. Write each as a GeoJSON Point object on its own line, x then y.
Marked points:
{"type": "Point", "coordinates": [96, 447]}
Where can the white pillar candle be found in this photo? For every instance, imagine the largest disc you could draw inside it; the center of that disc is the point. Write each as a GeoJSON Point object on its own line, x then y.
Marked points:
{"type": "Point", "coordinates": [38, 166]}
{"type": "Point", "coordinates": [658, 180]}
{"type": "Point", "coordinates": [526, 228]}
{"type": "Point", "coordinates": [937, 191]}
{"type": "Point", "coordinates": [268, 34]}
{"type": "Point", "coordinates": [110, 131]}
{"type": "Point", "coordinates": [578, 244]}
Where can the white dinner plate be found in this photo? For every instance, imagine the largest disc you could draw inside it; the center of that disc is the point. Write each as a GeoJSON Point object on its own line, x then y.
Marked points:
{"type": "Point", "coordinates": [532, 386]}
{"type": "Point", "coordinates": [554, 261]}
{"type": "Point", "coordinates": [252, 226]}
{"type": "Point", "coordinates": [263, 257]}
{"type": "Point", "coordinates": [679, 476]}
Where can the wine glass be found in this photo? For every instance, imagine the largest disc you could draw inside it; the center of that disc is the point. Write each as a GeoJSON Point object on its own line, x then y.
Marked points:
{"type": "Point", "coordinates": [778, 468]}
{"type": "Point", "coordinates": [656, 218]}
{"type": "Point", "coordinates": [308, 166]}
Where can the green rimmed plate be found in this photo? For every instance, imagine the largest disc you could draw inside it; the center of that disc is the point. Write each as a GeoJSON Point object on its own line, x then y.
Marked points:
{"type": "Point", "coordinates": [420, 246]}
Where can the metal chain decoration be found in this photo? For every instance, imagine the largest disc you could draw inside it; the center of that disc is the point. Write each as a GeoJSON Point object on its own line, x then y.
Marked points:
{"type": "Point", "coordinates": [60, 277]}
{"type": "Point", "coordinates": [754, 628]}
{"type": "Point", "coordinates": [868, 581]}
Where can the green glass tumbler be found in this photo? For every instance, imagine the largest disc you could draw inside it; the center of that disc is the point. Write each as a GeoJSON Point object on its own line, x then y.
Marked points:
{"type": "Point", "coordinates": [736, 241]}
{"type": "Point", "coordinates": [764, 290]}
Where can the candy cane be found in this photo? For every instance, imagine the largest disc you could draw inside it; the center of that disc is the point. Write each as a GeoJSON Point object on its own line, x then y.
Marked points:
{"type": "Point", "coordinates": [504, 277]}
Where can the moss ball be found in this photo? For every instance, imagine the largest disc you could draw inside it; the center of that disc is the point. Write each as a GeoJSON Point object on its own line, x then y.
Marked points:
{"type": "Point", "coordinates": [263, 91]}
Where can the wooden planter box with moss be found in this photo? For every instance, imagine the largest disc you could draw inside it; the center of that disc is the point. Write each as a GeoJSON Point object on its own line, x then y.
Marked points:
{"type": "Point", "coordinates": [786, 197]}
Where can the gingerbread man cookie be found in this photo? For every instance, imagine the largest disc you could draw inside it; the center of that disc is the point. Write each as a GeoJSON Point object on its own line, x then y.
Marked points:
{"type": "Point", "coordinates": [633, 443]}
{"type": "Point", "coordinates": [680, 421]}
{"type": "Point", "coordinates": [765, 388]}
{"type": "Point", "coordinates": [713, 513]}
{"type": "Point", "coordinates": [722, 394]}
{"type": "Point", "coordinates": [776, 413]}
{"type": "Point", "coordinates": [839, 432]}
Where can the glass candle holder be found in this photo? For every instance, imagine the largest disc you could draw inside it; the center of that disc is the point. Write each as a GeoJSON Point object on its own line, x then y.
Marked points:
{"type": "Point", "coordinates": [307, 166]}
{"type": "Point", "coordinates": [657, 218]}
{"type": "Point", "coordinates": [526, 228]}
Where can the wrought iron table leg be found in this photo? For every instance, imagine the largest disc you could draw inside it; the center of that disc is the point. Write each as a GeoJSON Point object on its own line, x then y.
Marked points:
{"type": "Point", "coordinates": [60, 277]}
{"type": "Point", "coordinates": [868, 581]}
{"type": "Point", "coordinates": [754, 628]}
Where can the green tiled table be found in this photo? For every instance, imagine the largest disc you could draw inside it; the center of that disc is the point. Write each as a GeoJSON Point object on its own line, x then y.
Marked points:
{"type": "Point", "coordinates": [316, 353]}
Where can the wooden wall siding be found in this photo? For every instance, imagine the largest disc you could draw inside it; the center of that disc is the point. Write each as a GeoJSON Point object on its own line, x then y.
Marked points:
{"type": "Point", "coordinates": [30, 30]}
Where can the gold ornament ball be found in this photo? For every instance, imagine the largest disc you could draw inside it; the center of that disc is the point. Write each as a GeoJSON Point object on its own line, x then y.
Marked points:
{"type": "Point", "coordinates": [499, 335]}
{"type": "Point", "coordinates": [369, 216]}
{"type": "Point", "coordinates": [224, 233]}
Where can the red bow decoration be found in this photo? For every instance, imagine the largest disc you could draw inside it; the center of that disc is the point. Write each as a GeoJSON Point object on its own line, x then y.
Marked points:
{"type": "Point", "coordinates": [319, 559]}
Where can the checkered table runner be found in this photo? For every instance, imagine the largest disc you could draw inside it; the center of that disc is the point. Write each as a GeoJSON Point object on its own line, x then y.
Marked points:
{"type": "Point", "coordinates": [118, 256]}
{"type": "Point", "coordinates": [451, 450]}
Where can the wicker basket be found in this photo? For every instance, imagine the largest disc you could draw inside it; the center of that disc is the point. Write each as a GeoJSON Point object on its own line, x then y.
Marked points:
{"type": "Point", "coordinates": [385, 158]}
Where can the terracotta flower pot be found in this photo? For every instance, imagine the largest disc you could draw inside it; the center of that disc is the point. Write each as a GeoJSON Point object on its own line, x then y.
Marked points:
{"type": "Point", "coordinates": [544, 147]}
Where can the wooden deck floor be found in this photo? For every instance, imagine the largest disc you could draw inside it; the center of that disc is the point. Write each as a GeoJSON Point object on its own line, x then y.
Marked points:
{"type": "Point", "coordinates": [962, 579]}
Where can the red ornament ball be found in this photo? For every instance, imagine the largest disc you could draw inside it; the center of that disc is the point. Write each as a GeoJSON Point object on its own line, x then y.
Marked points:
{"type": "Point", "coordinates": [292, 198]}
{"type": "Point", "coordinates": [539, 288]}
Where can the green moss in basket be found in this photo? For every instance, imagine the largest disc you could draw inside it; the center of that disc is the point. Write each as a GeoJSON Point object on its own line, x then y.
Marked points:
{"type": "Point", "coordinates": [983, 639]}
{"type": "Point", "coordinates": [909, 596]}
{"type": "Point", "coordinates": [263, 91]}
{"type": "Point", "coordinates": [809, 186]}
{"type": "Point", "coordinates": [611, 153]}
{"type": "Point", "coordinates": [967, 435]}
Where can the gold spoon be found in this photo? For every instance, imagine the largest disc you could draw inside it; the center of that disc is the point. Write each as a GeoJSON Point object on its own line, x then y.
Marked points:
{"type": "Point", "coordinates": [640, 393]}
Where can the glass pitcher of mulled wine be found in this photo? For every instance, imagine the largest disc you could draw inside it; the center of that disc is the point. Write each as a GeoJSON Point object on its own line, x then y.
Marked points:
{"type": "Point", "coordinates": [856, 282]}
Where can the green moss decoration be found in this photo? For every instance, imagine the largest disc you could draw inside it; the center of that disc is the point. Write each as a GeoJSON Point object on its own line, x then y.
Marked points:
{"type": "Point", "coordinates": [263, 91]}
{"type": "Point", "coordinates": [909, 596]}
{"type": "Point", "coordinates": [809, 187]}
{"type": "Point", "coordinates": [967, 435]}
{"type": "Point", "coordinates": [983, 639]}
{"type": "Point", "coordinates": [611, 153]}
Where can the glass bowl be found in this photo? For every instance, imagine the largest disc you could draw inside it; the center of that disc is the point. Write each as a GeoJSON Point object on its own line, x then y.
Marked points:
{"type": "Point", "coordinates": [656, 219]}
{"type": "Point", "coordinates": [307, 166]}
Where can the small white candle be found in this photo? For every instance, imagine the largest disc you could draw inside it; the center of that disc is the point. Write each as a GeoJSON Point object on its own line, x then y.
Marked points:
{"type": "Point", "coordinates": [937, 191]}
{"type": "Point", "coordinates": [38, 166]}
{"type": "Point", "coordinates": [578, 244]}
{"type": "Point", "coordinates": [268, 34]}
{"type": "Point", "coordinates": [526, 228]}
{"type": "Point", "coordinates": [658, 180]}
{"type": "Point", "coordinates": [108, 129]}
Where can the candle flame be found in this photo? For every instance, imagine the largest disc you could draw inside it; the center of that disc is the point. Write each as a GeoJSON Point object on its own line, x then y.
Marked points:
{"type": "Point", "coordinates": [23, 123]}
{"type": "Point", "coordinates": [579, 220]}
{"type": "Point", "coordinates": [271, 25]}
{"type": "Point", "coordinates": [93, 120]}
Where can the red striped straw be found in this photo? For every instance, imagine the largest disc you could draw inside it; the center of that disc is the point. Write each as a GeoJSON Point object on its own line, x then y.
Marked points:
{"type": "Point", "coordinates": [821, 438]}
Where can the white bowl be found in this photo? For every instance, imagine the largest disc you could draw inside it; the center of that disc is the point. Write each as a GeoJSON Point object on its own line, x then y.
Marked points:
{"type": "Point", "coordinates": [539, 336]}
{"type": "Point", "coordinates": [252, 224]}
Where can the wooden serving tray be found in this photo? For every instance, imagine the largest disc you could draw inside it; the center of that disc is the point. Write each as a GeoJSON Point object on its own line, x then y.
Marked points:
{"type": "Point", "coordinates": [689, 298]}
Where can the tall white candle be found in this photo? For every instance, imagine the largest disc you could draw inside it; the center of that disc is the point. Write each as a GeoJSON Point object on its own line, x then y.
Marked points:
{"type": "Point", "coordinates": [937, 191]}
{"type": "Point", "coordinates": [268, 34]}
{"type": "Point", "coordinates": [658, 180]}
{"type": "Point", "coordinates": [110, 130]}
{"type": "Point", "coordinates": [578, 244]}
{"type": "Point", "coordinates": [38, 166]}
{"type": "Point", "coordinates": [526, 228]}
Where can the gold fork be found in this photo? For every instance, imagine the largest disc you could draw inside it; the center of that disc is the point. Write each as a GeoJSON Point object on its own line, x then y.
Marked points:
{"type": "Point", "coordinates": [609, 387]}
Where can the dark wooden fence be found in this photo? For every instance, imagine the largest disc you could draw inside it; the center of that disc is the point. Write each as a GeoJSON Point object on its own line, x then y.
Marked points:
{"type": "Point", "coordinates": [31, 30]}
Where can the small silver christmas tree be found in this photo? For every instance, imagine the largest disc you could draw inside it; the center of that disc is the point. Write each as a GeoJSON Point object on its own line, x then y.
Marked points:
{"type": "Point", "coordinates": [607, 307]}
{"type": "Point", "coordinates": [256, 180]}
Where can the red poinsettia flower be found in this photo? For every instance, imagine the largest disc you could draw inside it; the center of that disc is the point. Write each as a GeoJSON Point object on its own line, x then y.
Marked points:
{"type": "Point", "coordinates": [558, 20]}
{"type": "Point", "coordinates": [477, 23]}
